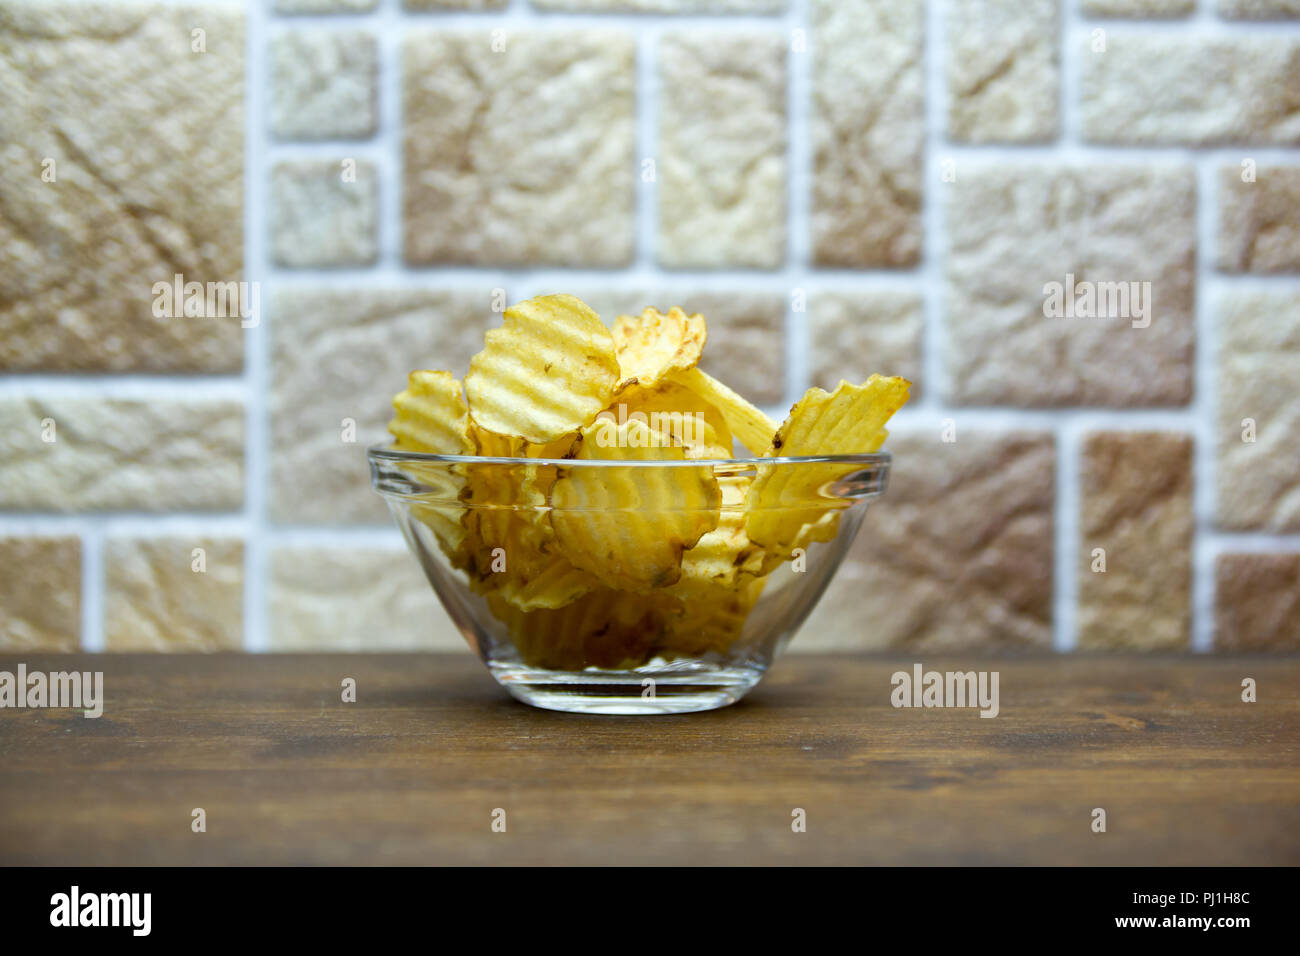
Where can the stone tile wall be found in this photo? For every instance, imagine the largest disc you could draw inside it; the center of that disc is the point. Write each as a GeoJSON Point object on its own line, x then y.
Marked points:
{"type": "Point", "coordinates": [842, 186]}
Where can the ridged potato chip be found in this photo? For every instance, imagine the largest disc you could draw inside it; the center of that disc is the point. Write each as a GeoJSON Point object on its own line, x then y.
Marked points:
{"type": "Point", "coordinates": [677, 414]}
{"type": "Point", "coordinates": [505, 495]}
{"type": "Point", "coordinates": [748, 423]}
{"type": "Point", "coordinates": [653, 345]}
{"type": "Point", "coordinates": [432, 415]}
{"type": "Point", "coordinates": [723, 555]}
{"type": "Point", "coordinates": [546, 372]}
{"type": "Point", "coordinates": [433, 418]}
{"type": "Point", "coordinates": [712, 619]}
{"type": "Point", "coordinates": [630, 526]}
{"type": "Point", "coordinates": [786, 506]}
{"type": "Point", "coordinates": [605, 628]}
{"type": "Point", "coordinates": [511, 542]}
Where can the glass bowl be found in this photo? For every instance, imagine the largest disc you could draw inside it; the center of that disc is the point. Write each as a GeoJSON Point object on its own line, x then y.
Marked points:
{"type": "Point", "coordinates": [561, 589]}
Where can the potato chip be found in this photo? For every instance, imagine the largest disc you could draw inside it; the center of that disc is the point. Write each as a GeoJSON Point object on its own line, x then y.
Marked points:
{"type": "Point", "coordinates": [712, 619]}
{"type": "Point", "coordinates": [747, 422]}
{"type": "Point", "coordinates": [432, 416]}
{"type": "Point", "coordinates": [725, 553]}
{"type": "Point", "coordinates": [511, 540]}
{"type": "Point", "coordinates": [510, 495]}
{"type": "Point", "coordinates": [677, 414]}
{"type": "Point", "coordinates": [545, 373]}
{"type": "Point", "coordinates": [653, 345]}
{"type": "Point", "coordinates": [787, 506]}
{"type": "Point", "coordinates": [607, 629]}
{"type": "Point", "coordinates": [630, 526]}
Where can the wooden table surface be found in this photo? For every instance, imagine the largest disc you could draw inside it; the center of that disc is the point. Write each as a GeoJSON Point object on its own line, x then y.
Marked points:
{"type": "Point", "coordinates": [411, 773]}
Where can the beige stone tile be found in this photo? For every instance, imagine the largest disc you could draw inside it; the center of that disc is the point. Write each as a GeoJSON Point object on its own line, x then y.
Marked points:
{"type": "Point", "coordinates": [664, 6]}
{"type": "Point", "coordinates": [855, 334]}
{"type": "Point", "coordinates": [1003, 70]}
{"type": "Point", "coordinates": [1136, 494]}
{"type": "Point", "coordinates": [746, 343]}
{"type": "Point", "coordinates": [1192, 90]}
{"type": "Point", "coordinates": [523, 156]}
{"type": "Point", "coordinates": [354, 599]}
{"type": "Point", "coordinates": [173, 594]}
{"type": "Point", "coordinates": [338, 358]}
{"type": "Point", "coordinates": [121, 454]}
{"type": "Point", "coordinates": [324, 213]}
{"type": "Point", "coordinates": [867, 131]}
{"type": "Point", "coordinates": [1141, 9]}
{"type": "Point", "coordinates": [1259, 9]}
{"type": "Point", "coordinates": [722, 144]}
{"type": "Point", "coordinates": [1015, 229]}
{"type": "Point", "coordinates": [324, 6]}
{"type": "Point", "coordinates": [324, 84]}
{"type": "Point", "coordinates": [455, 4]}
{"type": "Point", "coordinates": [40, 594]}
{"type": "Point", "coordinates": [1258, 416]}
{"type": "Point", "coordinates": [94, 212]}
{"type": "Point", "coordinates": [1257, 603]}
{"type": "Point", "coordinates": [957, 555]}
{"type": "Point", "coordinates": [1259, 222]}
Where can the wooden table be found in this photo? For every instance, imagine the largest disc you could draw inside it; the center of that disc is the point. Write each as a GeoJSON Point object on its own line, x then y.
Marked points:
{"type": "Point", "coordinates": [411, 773]}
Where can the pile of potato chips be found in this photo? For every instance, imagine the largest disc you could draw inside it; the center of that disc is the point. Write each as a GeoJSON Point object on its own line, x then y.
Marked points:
{"type": "Point", "coordinates": [613, 566]}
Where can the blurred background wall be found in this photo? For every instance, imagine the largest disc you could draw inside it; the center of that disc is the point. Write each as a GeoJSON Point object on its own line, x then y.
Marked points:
{"type": "Point", "coordinates": [841, 186]}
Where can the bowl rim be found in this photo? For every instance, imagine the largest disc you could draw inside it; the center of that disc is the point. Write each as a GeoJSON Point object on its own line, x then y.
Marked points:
{"type": "Point", "coordinates": [385, 452]}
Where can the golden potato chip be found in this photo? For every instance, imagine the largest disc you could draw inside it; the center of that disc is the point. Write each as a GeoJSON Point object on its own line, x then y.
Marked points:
{"type": "Point", "coordinates": [746, 421]}
{"type": "Point", "coordinates": [511, 540]}
{"type": "Point", "coordinates": [711, 620]}
{"type": "Point", "coordinates": [607, 629]}
{"type": "Point", "coordinates": [676, 413]}
{"type": "Point", "coordinates": [545, 373]}
{"type": "Point", "coordinates": [432, 416]}
{"type": "Point", "coordinates": [652, 345]}
{"type": "Point", "coordinates": [508, 501]}
{"type": "Point", "coordinates": [725, 553]}
{"type": "Point", "coordinates": [629, 526]}
{"type": "Point", "coordinates": [787, 505]}
{"type": "Point", "coordinates": [550, 583]}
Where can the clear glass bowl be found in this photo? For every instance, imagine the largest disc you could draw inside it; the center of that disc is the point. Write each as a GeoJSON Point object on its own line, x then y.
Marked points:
{"type": "Point", "coordinates": [499, 537]}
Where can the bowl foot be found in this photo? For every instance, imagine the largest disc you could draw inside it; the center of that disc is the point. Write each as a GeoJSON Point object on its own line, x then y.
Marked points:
{"type": "Point", "coordinates": [677, 688]}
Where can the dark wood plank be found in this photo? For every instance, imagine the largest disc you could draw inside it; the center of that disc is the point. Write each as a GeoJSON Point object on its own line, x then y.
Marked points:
{"type": "Point", "coordinates": [411, 773]}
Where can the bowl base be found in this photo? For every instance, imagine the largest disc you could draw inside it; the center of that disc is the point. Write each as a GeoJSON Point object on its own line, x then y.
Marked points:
{"type": "Point", "coordinates": [675, 688]}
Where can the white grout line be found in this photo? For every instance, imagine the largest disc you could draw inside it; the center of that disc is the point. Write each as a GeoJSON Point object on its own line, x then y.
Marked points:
{"type": "Point", "coordinates": [388, 140]}
{"type": "Point", "coordinates": [798, 220]}
{"type": "Point", "coordinates": [1065, 524]}
{"type": "Point", "coordinates": [92, 589]}
{"type": "Point", "coordinates": [1204, 406]}
{"type": "Point", "coordinates": [257, 171]}
{"type": "Point", "coordinates": [933, 251]}
{"type": "Point", "coordinates": [646, 98]}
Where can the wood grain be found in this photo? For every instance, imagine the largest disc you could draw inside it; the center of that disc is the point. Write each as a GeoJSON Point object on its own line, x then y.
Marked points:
{"type": "Point", "coordinates": [410, 773]}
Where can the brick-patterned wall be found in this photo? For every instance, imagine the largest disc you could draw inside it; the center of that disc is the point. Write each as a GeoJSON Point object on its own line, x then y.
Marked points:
{"type": "Point", "coordinates": [842, 186]}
